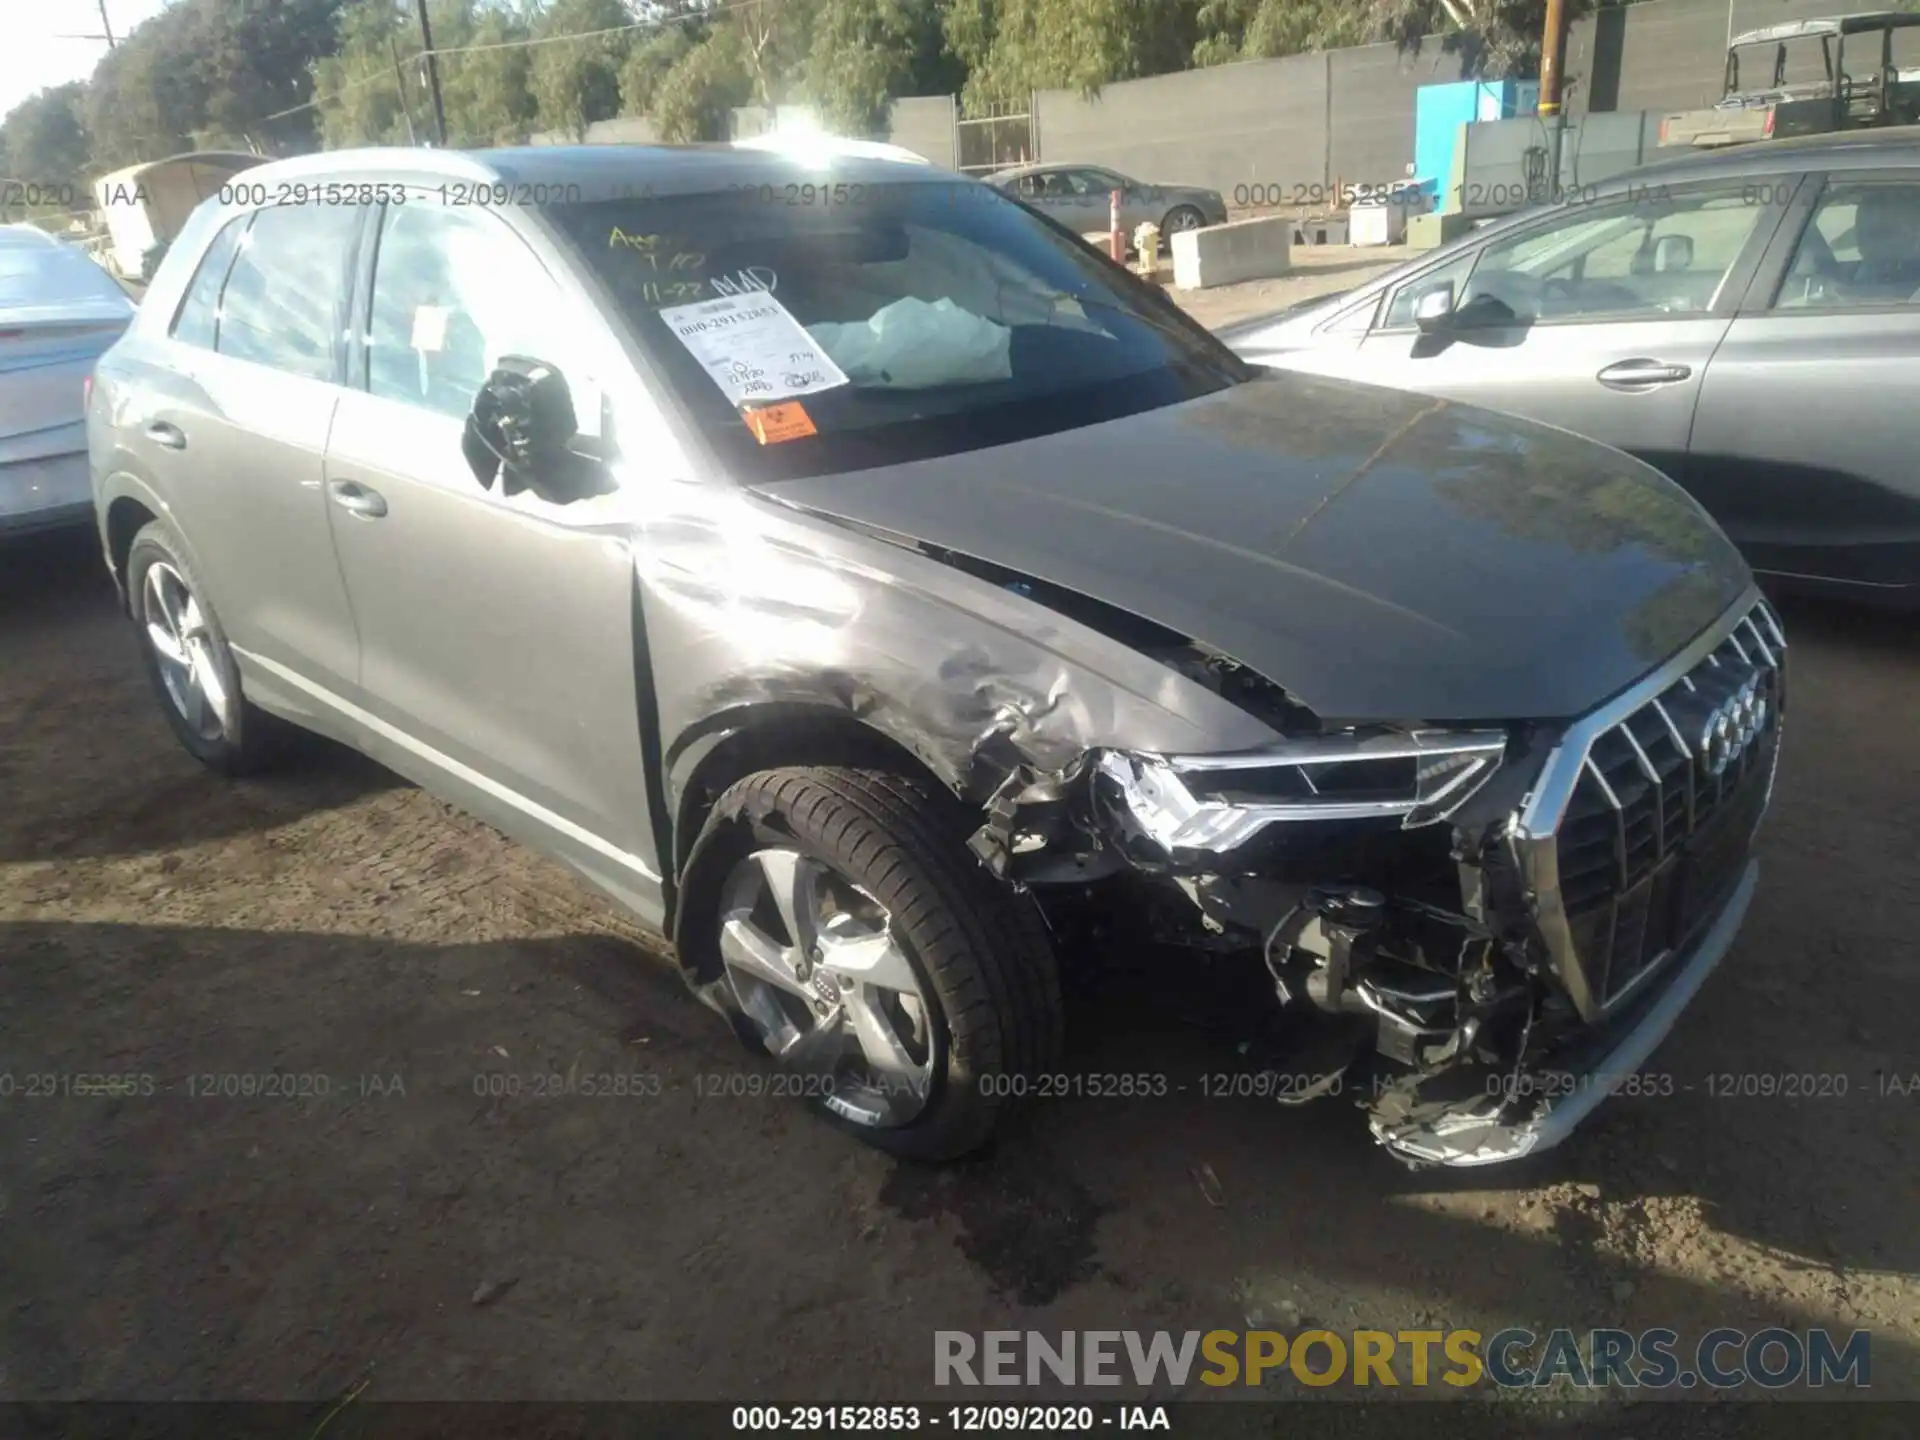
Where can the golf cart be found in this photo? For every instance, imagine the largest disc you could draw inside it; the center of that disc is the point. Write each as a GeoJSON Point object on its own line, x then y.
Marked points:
{"type": "Point", "coordinates": [1840, 73]}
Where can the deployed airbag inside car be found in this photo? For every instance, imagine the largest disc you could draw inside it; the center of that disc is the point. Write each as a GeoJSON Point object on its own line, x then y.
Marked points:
{"type": "Point", "coordinates": [914, 345]}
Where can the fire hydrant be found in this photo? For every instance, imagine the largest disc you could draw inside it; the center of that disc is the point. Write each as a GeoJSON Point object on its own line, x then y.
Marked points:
{"type": "Point", "coordinates": [1146, 243]}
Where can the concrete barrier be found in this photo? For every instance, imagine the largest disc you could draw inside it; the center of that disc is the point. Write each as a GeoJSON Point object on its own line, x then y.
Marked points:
{"type": "Point", "coordinates": [1426, 232]}
{"type": "Point", "coordinates": [1224, 254]}
{"type": "Point", "coordinates": [1321, 230]}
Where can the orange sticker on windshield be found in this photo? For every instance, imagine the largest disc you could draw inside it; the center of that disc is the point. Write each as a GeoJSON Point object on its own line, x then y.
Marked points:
{"type": "Point", "coordinates": [772, 424]}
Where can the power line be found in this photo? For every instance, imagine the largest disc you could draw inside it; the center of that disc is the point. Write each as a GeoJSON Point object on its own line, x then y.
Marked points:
{"type": "Point", "coordinates": [378, 77]}
{"type": "Point", "coordinates": [660, 23]}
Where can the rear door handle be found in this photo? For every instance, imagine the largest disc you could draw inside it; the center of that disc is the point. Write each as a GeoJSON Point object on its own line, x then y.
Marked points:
{"type": "Point", "coordinates": [1642, 374]}
{"type": "Point", "coordinates": [350, 495]}
{"type": "Point", "coordinates": [171, 436]}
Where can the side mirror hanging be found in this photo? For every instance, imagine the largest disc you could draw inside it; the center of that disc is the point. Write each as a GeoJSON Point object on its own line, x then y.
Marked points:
{"type": "Point", "coordinates": [1434, 309]}
{"type": "Point", "coordinates": [521, 426]}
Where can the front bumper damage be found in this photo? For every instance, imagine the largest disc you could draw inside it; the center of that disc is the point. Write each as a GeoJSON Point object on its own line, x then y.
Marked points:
{"type": "Point", "coordinates": [1498, 925]}
{"type": "Point", "coordinates": [1506, 1124]}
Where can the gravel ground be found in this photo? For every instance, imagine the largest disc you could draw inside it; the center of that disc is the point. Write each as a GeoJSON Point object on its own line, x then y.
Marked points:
{"type": "Point", "coordinates": [409, 1231]}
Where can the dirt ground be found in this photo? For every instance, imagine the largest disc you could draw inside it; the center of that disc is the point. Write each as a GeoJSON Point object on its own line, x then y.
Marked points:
{"type": "Point", "coordinates": [407, 1230]}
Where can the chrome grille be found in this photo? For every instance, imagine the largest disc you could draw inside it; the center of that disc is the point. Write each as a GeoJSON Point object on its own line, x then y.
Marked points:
{"type": "Point", "coordinates": [1643, 814]}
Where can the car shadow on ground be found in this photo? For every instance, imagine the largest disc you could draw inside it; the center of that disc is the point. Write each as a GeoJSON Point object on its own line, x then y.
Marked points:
{"type": "Point", "coordinates": [225, 1227]}
{"type": "Point", "coordinates": [218, 1220]}
{"type": "Point", "coordinates": [71, 683]}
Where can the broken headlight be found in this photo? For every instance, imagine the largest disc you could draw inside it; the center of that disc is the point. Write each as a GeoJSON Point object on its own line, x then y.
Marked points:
{"type": "Point", "coordinates": [1216, 802]}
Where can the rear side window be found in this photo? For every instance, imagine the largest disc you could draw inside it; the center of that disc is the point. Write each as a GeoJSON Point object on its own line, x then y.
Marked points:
{"type": "Point", "coordinates": [453, 291]}
{"type": "Point", "coordinates": [285, 301]}
{"type": "Point", "coordinates": [1861, 250]}
{"type": "Point", "coordinates": [197, 322]}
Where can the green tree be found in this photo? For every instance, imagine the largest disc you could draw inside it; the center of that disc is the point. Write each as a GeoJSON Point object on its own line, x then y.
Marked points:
{"type": "Point", "coordinates": [695, 96]}
{"type": "Point", "coordinates": [144, 100]}
{"type": "Point", "coordinates": [865, 53]}
{"type": "Point", "coordinates": [577, 81]}
{"type": "Point", "coordinates": [650, 60]}
{"type": "Point", "coordinates": [252, 68]}
{"type": "Point", "coordinates": [489, 92]}
{"type": "Point", "coordinates": [1495, 38]}
{"type": "Point", "coordinates": [43, 140]}
{"type": "Point", "coordinates": [359, 95]}
{"type": "Point", "coordinates": [1014, 47]}
{"type": "Point", "coordinates": [485, 91]}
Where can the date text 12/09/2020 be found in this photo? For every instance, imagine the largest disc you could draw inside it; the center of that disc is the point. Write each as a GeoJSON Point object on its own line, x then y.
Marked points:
{"type": "Point", "coordinates": [960, 1419]}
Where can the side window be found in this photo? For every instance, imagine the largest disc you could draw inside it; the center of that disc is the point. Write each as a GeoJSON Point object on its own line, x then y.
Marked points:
{"type": "Point", "coordinates": [285, 301]}
{"type": "Point", "coordinates": [453, 291]}
{"type": "Point", "coordinates": [197, 322]}
{"type": "Point", "coordinates": [1400, 311]}
{"type": "Point", "coordinates": [1636, 258]}
{"type": "Point", "coordinates": [1862, 247]}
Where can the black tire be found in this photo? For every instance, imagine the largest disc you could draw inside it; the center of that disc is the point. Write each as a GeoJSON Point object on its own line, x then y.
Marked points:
{"type": "Point", "coordinates": [980, 949]}
{"type": "Point", "coordinates": [1182, 217]}
{"type": "Point", "coordinates": [249, 740]}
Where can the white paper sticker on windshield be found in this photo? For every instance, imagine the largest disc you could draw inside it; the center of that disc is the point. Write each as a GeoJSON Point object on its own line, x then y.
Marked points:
{"type": "Point", "coordinates": [753, 348]}
{"type": "Point", "coordinates": [430, 328]}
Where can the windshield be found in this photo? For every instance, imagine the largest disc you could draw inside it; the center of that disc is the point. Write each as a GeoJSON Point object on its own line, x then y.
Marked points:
{"type": "Point", "coordinates": [868, 325]}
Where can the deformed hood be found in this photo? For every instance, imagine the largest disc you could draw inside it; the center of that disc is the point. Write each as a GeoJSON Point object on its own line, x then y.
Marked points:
{"type": "Point", "coordinates": [1382, 555]}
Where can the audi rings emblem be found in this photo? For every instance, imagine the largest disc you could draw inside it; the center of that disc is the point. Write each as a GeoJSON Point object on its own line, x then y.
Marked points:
{"type": "Point", "coordinates": [1732, 727]}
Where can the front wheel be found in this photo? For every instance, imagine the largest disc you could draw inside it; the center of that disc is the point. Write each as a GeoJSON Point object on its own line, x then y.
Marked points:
{"type": "Point", "coordinates": [840, 921]}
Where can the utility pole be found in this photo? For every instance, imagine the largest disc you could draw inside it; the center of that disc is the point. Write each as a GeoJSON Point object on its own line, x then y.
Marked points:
{"type": "Point", "coordinates": [433, 73]}
{"type": "Point", "coordinates": [106, 27]}
{"type": "Point", "coordinates": [1552, 84]}
{"type": "Point", "coordinates": [400, 79]}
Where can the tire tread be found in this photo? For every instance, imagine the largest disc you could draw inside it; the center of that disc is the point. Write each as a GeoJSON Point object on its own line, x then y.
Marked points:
{"type": "Point", "coordinates": [986, 946]}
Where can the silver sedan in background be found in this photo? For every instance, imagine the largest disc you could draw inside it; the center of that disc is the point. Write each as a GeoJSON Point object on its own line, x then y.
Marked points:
{"type": "Point", "coordinates": [1080, 197]}
{"type": "Point", "coordinates": [1747, 321]}
{"type": "Point", "coordinates": [58, 312]}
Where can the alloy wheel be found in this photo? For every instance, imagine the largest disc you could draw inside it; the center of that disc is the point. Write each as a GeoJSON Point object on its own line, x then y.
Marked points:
{"type": "Point", "coordinates": [176, 630]}
{"type": "Point", "coordinates": [816, 968]}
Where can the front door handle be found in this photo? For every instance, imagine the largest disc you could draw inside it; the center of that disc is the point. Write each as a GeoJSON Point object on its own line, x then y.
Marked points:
{"type": "Point", "coordinates": [350, 495]}
{"type": "Point", "coordinates": [171, 436]}
{"type": "Point", "coordinates": [1642, 374]}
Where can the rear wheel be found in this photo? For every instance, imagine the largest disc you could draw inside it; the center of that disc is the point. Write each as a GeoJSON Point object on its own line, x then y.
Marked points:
{"type": "Point", "coordinates": [838, 917]}
{"type": "Point", "coordinates": [187, 658]}
{"type": "Point", "coordinates": [1182, 217]}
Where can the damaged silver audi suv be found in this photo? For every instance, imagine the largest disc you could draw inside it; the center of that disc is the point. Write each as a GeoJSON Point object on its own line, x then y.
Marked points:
{"type": "Point", "coordinates": [877, 591]}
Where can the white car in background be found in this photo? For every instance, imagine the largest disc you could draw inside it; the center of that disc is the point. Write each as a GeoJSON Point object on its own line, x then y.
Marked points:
{"type": "Point", "coordinates": [58, 312]}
